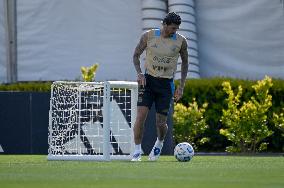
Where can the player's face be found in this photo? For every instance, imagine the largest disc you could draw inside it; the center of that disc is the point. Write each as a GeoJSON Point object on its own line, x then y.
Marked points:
{"type": "Point", "coordinates": [171, 29]}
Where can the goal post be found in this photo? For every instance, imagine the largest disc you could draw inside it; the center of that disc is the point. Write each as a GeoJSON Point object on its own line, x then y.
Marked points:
{"type": "Point", "coordinates": [92, 120]}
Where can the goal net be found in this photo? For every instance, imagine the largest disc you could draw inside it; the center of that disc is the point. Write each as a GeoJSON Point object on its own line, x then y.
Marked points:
{"type": "Point", "coordinates": [92, 120]}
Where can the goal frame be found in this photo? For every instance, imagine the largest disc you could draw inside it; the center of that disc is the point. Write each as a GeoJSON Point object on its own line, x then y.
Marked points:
{"type": "Point", "coordinates": [106, 113]}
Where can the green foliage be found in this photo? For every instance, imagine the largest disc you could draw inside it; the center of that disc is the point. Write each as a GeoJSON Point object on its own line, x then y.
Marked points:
{"type": "Point", "coordinates": [89, 73]}
{"type": "Point", "coordinates": [206, 90]}
{"type": "Point", "coordinates": [246, 123]}
{"type": "Point", "coordinates": [210, 90]}
{"type": "Point", "coordinates": [278, 120]}
{"type": "Point", "coordinates": [189, 123]}
{"type": "Point", "coordinates": [27, 86]}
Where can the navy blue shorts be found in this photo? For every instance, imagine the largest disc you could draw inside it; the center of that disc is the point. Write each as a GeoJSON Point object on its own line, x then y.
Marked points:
{"type": "Point", "coordinates": [157, 90]}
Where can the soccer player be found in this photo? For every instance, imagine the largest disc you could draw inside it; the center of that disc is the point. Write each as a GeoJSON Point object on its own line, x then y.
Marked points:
{"type": "Point", "coordinates": [163, 47]}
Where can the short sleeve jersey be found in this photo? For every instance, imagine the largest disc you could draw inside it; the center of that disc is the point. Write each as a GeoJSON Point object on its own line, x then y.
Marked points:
{"type": "Point", "coordinates": [162, 54]}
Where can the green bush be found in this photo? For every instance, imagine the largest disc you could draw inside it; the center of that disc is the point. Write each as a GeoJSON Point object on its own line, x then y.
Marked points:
{"type": "Point", "coordinates": [207, 91]}
{"type": "Point", "coordinates": [190, 124]}
{"type": "Point", "coordinates": [210, 90]}
{"type": "Point", "coordinates": [278, 120]}
{"type": "Point", "coordinates": [89, 73]}
{"type": "Point", "coordinates": [27, 86]}
{"type": "Point", "coordinates": [246, 123]}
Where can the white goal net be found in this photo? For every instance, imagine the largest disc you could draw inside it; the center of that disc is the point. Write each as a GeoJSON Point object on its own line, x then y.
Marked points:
{"type": "Point", "coordinates": [91, 120]}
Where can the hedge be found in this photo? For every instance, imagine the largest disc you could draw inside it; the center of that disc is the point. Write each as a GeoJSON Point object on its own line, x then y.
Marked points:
{"type": "Point", "coordinates": [27, 86]}
{"type": "Point", "coordinates": [211, 92]}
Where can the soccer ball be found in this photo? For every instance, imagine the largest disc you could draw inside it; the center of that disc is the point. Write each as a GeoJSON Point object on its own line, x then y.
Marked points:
{"type": "Point", "coordinates": [183, 152]}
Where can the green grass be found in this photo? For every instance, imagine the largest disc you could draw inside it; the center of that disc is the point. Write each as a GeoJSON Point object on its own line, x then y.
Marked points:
{"type": "Point", "coordinates": [203, 171]}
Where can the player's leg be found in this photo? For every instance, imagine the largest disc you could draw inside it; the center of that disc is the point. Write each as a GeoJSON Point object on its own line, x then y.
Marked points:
{"type": "Point", "coordinates": [162, 128]}
{"type": "Point", "coordinates": [142, 112]}
{"type": "Point", "coordinates": [145, 100]}
{"type": "Point", "coordinates": [138, 130]}
{"type": "Point", "coordinates": [162, 102]}
{"type": "Point", "coordinates": [161, 125]}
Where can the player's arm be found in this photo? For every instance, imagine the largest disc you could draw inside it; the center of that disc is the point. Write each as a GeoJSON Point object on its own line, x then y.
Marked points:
{"type": "Point", "coordinates": [184, 68]}
{"type": "Point", "coordinates": [184, 63]}
{"type": "Point", "coordinates": [138, 51]}
{"type": "Point", "coordinates": [136, 58]}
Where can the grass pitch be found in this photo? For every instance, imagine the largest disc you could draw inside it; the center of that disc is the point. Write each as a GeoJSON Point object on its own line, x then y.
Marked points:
{"type": "Point", "coordinates": [35, 171]}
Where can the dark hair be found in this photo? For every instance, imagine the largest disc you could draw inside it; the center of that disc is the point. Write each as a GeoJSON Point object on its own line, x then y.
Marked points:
{"type": "Point", "coordinates": [172, 18]}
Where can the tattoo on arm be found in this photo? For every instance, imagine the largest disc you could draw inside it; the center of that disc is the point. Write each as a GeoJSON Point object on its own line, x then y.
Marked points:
{"type": "Point", "coordinates": [184, 62]}
{"type": "Point", "coordinates": [138, 51]}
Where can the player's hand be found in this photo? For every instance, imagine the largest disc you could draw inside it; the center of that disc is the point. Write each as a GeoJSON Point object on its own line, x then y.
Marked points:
{"type": "Point", "coordinates": [141, 79]}
{"type": "Point", "coordinates": [178, 93]}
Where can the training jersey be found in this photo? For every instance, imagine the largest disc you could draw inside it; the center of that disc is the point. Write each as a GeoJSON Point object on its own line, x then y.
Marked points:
{"type": "Point", "coordinates": [162, 54]}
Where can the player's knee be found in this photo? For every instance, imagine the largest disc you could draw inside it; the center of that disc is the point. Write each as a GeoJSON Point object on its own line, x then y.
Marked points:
{"type": "Point", "coordinates": [163, 112]}
{"type": "Point", "coordinates": [163, 125]}
{"type": "Point", "coordinates": [161, 120]}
